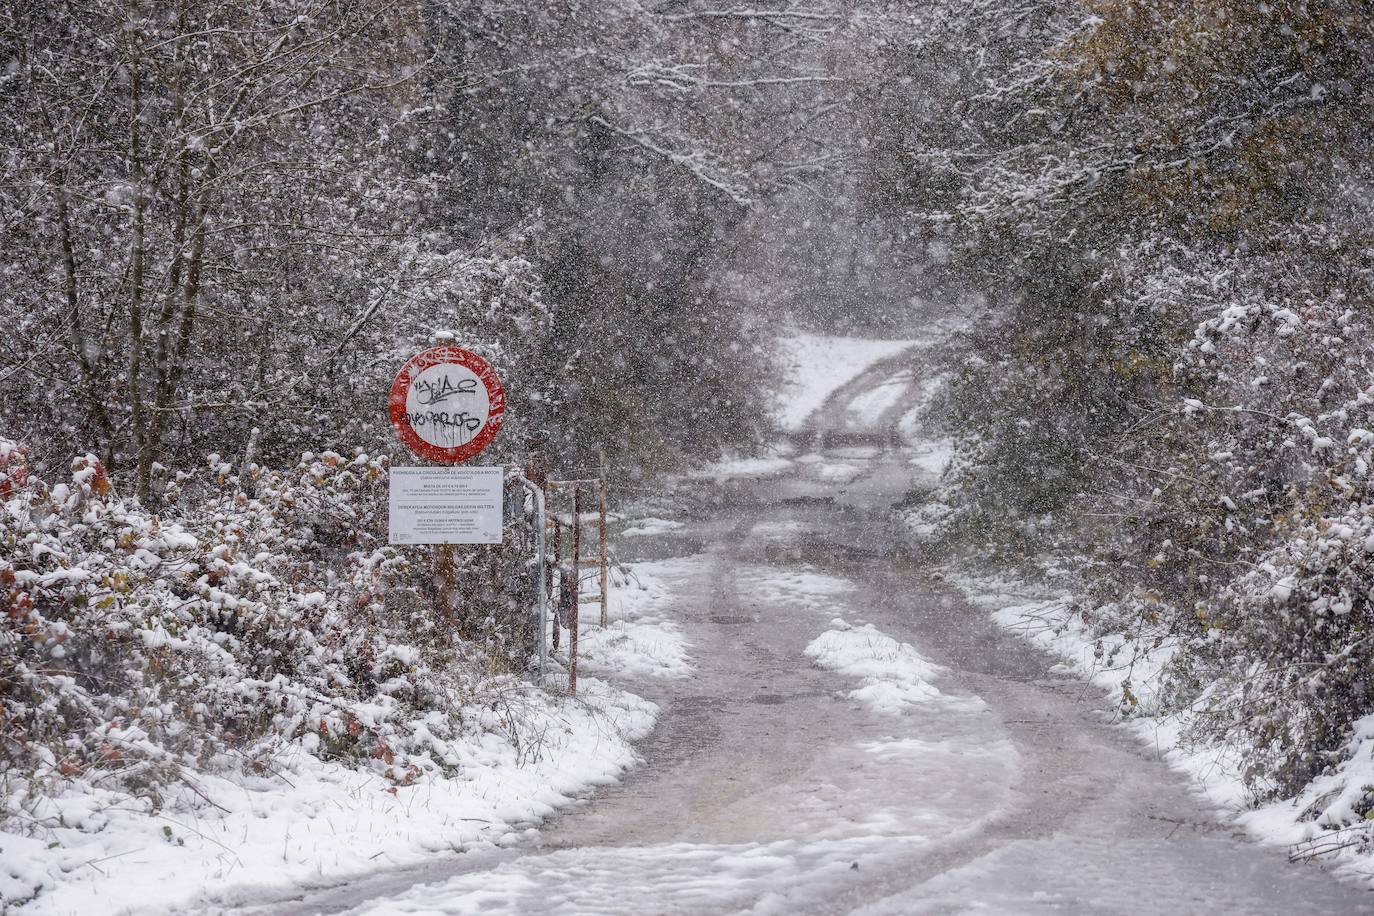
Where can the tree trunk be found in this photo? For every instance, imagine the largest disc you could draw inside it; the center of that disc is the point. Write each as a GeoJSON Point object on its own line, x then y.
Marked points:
{"type": "Point", "coordinates": [79, 344]}
{"type": "Point", "coordinates": [143, 453]}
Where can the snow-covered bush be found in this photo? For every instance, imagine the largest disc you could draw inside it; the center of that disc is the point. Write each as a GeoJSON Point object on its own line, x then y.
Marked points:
{"type": "Point", "coordinates": [1281, 461]}
{"type": "Point", "coordinates": [258, 612]}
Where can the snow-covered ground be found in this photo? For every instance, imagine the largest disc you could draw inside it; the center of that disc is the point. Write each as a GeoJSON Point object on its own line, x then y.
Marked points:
{"type": "Point", "coordinates": [1049, 619]}
{"type": "Point", "coordinates": [313, 822]}
{"type": "Point", "coordinates": [736, 468]}
{"type": "Point", "coordinates": [646, 527]}
{"type": "Point", "coordinates": [699, 878]}
{"type": "Point", "coordinates": [640, 638]}
{"type": "Point", "coordinates": [826, 469]}
{"type": "Point", "coordinates": [878, 400]}
{"type": "Point", "coordinates": [790, 802]}
{"type": "Point", "coordinates": [930, 452]}
{"type": "Point", "coordinates": [817, 366]}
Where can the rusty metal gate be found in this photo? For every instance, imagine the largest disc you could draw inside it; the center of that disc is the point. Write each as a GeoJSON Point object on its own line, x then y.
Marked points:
{"type": "Point", "coordinates": [572, 541]}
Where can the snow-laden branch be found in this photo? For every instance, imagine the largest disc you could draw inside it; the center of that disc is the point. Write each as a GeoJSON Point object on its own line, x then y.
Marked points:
{"type": "Point", "coordinates": [694, 163]}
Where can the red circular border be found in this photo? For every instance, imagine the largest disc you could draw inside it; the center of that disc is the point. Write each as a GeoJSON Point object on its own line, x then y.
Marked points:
{"type": "Point", "coordinates": [434, 356]}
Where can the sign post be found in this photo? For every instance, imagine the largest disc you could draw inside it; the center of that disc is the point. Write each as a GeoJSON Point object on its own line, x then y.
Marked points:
{"type": "Point", "coordinates": [446, 405]}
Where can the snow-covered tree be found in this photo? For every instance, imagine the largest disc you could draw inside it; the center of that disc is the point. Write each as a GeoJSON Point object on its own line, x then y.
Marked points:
{"type": "Point", "coordinates": [1163, 205]}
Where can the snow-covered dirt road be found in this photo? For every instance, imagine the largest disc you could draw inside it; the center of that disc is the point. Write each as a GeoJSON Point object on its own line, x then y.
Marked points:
{"type": "Point", "coordinates": [855, 738]}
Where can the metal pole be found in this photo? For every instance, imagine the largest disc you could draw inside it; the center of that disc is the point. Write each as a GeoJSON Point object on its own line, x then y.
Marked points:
{"type": "Point", "coordinates": [605, 537]}
{"type": "Point", "coordinates": [576, 587]}
{"type": "Point", "coordinates": [540, 521]}
{"type": "Point", "coordinates": [562, 583]}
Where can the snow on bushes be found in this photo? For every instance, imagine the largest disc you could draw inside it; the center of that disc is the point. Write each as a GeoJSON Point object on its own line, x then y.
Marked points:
{"type": "Point", "coordinates": [1282, 432]}
{"type": "Point", "coordinates": [255, 616]}
{"type": "Point", "coordinates": [1169, 388]}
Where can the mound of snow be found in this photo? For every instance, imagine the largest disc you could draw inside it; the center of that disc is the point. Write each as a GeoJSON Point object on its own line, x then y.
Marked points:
{"type": "Point", "coordinates": [895, 676]}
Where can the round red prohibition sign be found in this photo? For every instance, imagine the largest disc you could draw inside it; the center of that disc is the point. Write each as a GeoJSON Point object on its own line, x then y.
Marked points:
{"type": "Point", "coordinates": [447, 404]}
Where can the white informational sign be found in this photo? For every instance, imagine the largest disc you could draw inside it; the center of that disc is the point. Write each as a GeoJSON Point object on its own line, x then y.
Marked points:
{"type": "Point", "coordinates": [446, 505]}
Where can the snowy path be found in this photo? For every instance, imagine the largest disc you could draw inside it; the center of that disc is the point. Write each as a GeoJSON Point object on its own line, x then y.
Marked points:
{"type": "Point", "coordinates": [857, 739]}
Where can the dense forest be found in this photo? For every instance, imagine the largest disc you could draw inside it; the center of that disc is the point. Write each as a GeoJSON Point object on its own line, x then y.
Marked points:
{"type": "Point", "coordinates": [226, 225]}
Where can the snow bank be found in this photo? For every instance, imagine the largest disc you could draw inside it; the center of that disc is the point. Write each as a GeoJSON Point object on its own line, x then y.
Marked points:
{"type": "Point", "coordinates": [736, 468]}
{"type": "Point", "coordinates": [1318, 822]}
{"type": "Point", "coordinates": [646, 527]}
{"type": "Point", "coordinates": [836, 472]}
{"type": "Point", "coordinates": [868, 408]}
{"type": "Point", "coordinates": [800, 588]}
{"type": "Point", "coordinates": [640, 639]}
{"type": "Point", "coordinates": [314, 822]}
